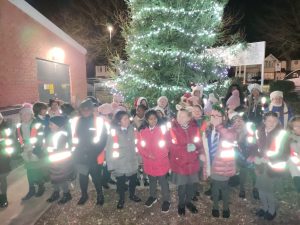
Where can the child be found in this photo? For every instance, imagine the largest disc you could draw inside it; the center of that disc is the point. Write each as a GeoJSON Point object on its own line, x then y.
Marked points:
{"type": "Point", "coordinates": [61, 170]}
{"type": "Point", "coordinates": [106, 111]}
{"type": "Point", "coordinates": [139, 118]}
{"type": "Point", "coordinates": [246, 146]}
{"type": "Point", "coordinates": [121, 156]}
{"type": "Point", "coordinates": [184, 158]}
{"type": "Point", "coordinates": [6, 149]}
{"type": "Point", "coordinates": [221, 152]}
{"type": "Point", "coordinates": [254, 104]}
{"type": "Point", "coordinates": [294, 161]}
{"type": "Point", "coordinates": [30, 138]}
{"type": "Point", "coordinates": [41, 116]}
{"type": "Point", "coordinates": [54, 105]}
{"type": "Point", "coordinates": [163, 103]}
{"type": "Point", "coordinates": [270, 162]}
{"type": "Point", "coordinates": [154, 150]}
{"type": "Point", "coordinates": [280, 107]}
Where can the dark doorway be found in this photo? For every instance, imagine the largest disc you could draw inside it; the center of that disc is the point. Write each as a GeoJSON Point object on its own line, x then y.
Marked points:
{"type": "Point", "coordinates": [54, 80]}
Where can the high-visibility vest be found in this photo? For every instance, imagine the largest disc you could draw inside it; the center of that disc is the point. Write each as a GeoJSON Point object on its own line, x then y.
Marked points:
{"type": "Point", "coordinates": [196, 139]}
{"type": "Point", "coordinates": [161, 143]}
{"type": "Point", "coordinates": [101, 156]}
{"type": "Point", "coordinates": [274, 150]}
{"type": "Point", "coordinates": [295, 158]}
{"type": "Point", "coordinates": [6, 140]}
{"type": "Point", "coordinates": [98, 124]}
{"type": "Point", "coordinates": [58, 153]}
{"type": "Point", "coordinates": [34, 132]}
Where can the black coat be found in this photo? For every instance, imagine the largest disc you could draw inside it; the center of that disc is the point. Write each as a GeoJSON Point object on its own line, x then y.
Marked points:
{"type": "Point", "coordinates": [86, 152]}
{"type": "Point", "coordinates": [4, 157]}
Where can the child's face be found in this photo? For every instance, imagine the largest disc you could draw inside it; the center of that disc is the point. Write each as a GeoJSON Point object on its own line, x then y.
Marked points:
{"type": "Point", "coordinates": [162, 103]}
{"type": "Point", "coordinates": [238, 123]}
{"type": "Point", "coordinates": [197, 113]}
{"type": "Point", "coordinates": [159, 114]}
{"type": "Point", "coordinates": [140, 112]}
{"type": "Point", "coordinates": [270, 123]}
{"type": "Point", "coordinates": [216, 118]}
{"type": "Point", "coordinates": [255, 93]}
{"type": "Point", "coordinates": [152, 121]}
{"type": "Point", "coordinates": [54, 106]}
{"type": "Point", "coordinates": [277, 101]}
{"type": "Point", "coordinates": [183, 118]}
{"type": "Point", "coordinates": [53, 127]}
{"type": "Point", "coordinates": [296, 128]}
{"type": "Point", "coordinates": [43, 112]}
{"type": "Point", "coordinates": [125, 121]}
{"type": "Point", "coordinates": [26, 117]}
{"type": "Point", "coordinates": [197, 93]}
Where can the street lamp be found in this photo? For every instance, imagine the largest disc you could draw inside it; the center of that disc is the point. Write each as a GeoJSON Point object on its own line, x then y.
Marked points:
{"type": "Point", "coordinates": [110, 28]}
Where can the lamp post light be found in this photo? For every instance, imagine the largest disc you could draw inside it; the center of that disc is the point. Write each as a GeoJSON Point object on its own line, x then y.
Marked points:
{"type": "Point", "coordinates": [110, 28]}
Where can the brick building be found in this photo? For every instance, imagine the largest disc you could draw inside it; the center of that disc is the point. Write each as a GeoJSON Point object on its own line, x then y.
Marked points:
{"type": "Point", "coordinates": [38, 60]}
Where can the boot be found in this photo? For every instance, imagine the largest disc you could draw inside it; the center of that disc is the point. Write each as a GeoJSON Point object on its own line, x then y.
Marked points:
{"type": "Point", "coordinates": [66, 197]}
{"type": "Point", "coordinates": [3, 201]}
{"type": "Point", "coordinates": [100, 199]}
{"type": "Point", "coordinates": [255, 193]}
{"type": "Point", "coordinates": [146, 182]}
{"type": "Point", "coordinates": [30, 194]}
{"type": "Point", "coordinates": [120, 204]}
{"type": "Point", "coordinates": [53, 197]}
{"type": "Point", "coordinates": [41, 190]}
{"type": "Point", "coordinates": [83, 199]}
{"type": "Point", "coordinates": [181, 210]}
{"type": "Point", "coordinates": [191, 207]}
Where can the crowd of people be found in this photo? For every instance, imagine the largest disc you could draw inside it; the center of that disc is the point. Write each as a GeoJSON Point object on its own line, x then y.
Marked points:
{"type": "Point", "coordinates": [224, 141]}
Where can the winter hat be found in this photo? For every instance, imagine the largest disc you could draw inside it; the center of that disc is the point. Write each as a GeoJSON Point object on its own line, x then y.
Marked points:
{"type": "Point", "coordinates": [140, 99]}
{"type": "Point", "coordinates": [161, 100]}
{"type": "Point", "coordinates": [254, 86]}
{"type": "Point", "coordinates": [105, 109]}
{"type": "Point", "coordinates": [86, 104]}
{"type": "Point", "coordinates": [26, 108]}
{"type": "Point", "coordinates": [157, 108]}
{"type": "Point", "coordinates": [94, 100]}
{"type": "Point", "coordinates": [59, 121]}
{"type": "Point", "coordinates": [197, 88]}
{"type": "Point", "coordinates": [234, 101]}
{"type": "Point", "coordinates": [212, 98]}
{"type": "Point", "coordinates": [275, 94]}
{"type": "Point", "coordinates": [118, 98]}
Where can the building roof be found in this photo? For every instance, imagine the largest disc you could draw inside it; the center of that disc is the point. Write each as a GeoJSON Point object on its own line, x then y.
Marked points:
{"type": "Point", "coordinates": [41, 19]}
{"type": "Point", "coordinates": [271, 57]}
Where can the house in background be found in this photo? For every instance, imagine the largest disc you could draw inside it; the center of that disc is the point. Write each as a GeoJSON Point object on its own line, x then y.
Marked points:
{"type": "Point", "coordinates": [38, 60]}
{"type": "Point", "coordinates": [274, 69]}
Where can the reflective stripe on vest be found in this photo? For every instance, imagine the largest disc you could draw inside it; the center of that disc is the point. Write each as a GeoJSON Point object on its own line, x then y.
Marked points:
{"type": "Point", "coordinates": [33, 134]}
{"type": "Point", "coordinates": [276, 144]}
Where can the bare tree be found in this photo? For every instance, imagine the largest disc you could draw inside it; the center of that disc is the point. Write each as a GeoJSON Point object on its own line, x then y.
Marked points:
{"type": "Point", "coordinates": [87, 22]}
{"type": "Point", "coordinates": [280, 27]}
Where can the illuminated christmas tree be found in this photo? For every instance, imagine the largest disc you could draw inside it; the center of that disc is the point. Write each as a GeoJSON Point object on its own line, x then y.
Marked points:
{"type": "Point", "coordinates": [166, 45]}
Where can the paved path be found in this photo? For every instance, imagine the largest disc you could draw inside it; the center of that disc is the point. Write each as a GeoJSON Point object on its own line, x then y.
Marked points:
{"type": "Point", "coordinates": [19, 213]}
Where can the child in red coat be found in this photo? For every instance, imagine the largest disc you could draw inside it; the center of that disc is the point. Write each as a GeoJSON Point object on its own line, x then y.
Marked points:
{"type": "Point", "coordinates": [185, 148]}
{"type": "Point", "coordinates": [154, 150]}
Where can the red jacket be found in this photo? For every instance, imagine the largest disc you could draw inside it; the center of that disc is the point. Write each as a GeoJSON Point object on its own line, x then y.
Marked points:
{"type": "Point", "coordinates": [154, 149]}
{"type": "Point", "coordinates": [224, 161]}
{"type": "Point", "coordinates": [184, 162]}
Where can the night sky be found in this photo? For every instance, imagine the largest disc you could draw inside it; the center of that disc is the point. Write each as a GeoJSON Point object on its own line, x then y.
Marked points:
{"type": "Point", "coordinates": [249, 10]}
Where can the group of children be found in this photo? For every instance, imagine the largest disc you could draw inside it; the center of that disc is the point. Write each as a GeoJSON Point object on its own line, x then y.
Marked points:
{"type": "Point", "coordinates": [206, 139]}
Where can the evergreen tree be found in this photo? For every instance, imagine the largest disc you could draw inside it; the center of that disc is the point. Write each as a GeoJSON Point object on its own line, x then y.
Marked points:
{"type": "Point", "coordinates": [166, 43]}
